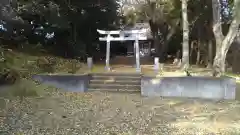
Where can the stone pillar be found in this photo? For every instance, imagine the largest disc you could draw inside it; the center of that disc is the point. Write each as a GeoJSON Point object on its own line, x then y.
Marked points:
{"type": "Point", "coordinates": [108, 53]}
{"type": "Point", "coordinates": [89, 63]}
{"type": "Point", "coordinates": [138, 68]}
{"type": "Point", "coordinates": [156, 65]}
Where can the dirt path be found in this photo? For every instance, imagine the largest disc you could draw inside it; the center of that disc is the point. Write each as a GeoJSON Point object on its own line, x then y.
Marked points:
{"type": "Point", "coordinates": [169, 70]}
{"type": "Point", "coordinates": [118, 113]}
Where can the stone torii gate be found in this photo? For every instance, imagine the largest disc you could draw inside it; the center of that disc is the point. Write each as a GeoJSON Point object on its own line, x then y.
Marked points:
{"type": "Point", "coordinates": [133, 35]}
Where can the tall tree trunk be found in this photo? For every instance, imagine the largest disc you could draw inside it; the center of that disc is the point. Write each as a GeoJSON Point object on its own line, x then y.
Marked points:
{"type": "Point", "coordinates": [164, 47]}
{"type": "Point", "coordinates": [199, 43]}
{"type": "Point", "coordinates": [223, 43]}
{"type": "Point", "coordinates": [236, 56]}
{"type": "Point", "coordinates": [157, 46]}
{"type": "Point", "coordinates": [198, 51]}
{"type": "Point", "coordinates": [210, 54]}
{"type": "Point", "coordinates": [210, 46]}
{"type": "Point", "coordinates": [193, 52]}
{"type": "Point", "coordinates": [156, 40]}
{"type": "Point", "coordinates": [185, 45]}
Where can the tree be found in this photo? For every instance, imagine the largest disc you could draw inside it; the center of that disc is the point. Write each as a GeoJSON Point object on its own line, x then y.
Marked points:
{"type": "Point", "coordinates": [200, 31]}
{"type": "Point", "coordinates": [223, 43]}
{"type": "Point", "coordinates": [163, 18]}
{"type": "Point", "coordinates": [73, 22]}
{"type": "Point", "coordinates": [185, 44]}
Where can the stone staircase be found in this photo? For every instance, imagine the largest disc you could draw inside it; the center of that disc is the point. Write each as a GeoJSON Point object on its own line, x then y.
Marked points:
{"type": "Point", "coordinates": [125, 82]}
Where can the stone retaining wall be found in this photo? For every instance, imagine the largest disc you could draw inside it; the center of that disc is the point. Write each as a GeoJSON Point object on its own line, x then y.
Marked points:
{"type": "Point", "coordinates": [192, 87]}
{"type": "Point", "coordinates": [73, 83]}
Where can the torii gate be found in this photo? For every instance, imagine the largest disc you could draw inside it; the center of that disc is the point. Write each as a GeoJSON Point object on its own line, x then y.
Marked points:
{"type": "Point", "coordinates": [135, 35]}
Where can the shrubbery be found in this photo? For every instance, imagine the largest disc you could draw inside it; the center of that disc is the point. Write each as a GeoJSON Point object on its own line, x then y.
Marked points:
{"type": "Point", "coordinates": [16, 69]}
{"type": "Point", "coordinates": [46, 64]}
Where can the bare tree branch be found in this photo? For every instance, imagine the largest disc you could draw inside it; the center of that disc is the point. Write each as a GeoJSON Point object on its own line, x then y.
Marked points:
{"type": "Point", "coordinates": [217, 25]}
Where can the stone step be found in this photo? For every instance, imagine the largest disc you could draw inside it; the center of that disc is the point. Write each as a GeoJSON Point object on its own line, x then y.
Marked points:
{"type": "Point", "coordinates": [112, 74]}
{"type": "Point", "coordinates": [115, 90]}
{"type": "Point", "coordinates": [115, 78]}
{"type": "Point", "coordinates": [114, 87]}
{"type": "Point", "coordinates": [116, 82]}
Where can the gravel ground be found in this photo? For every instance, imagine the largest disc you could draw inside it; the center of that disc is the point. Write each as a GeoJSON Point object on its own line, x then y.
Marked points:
{"type": "Point", "coordinates": [117, 114]}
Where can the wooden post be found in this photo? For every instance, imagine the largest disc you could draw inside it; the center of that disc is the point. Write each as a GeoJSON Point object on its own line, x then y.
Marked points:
{"type": "Point", "coordinates": [108, 53]}
{"type": "Point", "coordinates": [138, 69]}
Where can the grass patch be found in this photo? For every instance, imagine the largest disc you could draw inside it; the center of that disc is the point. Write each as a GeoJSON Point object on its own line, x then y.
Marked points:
{"type": "Point", "coordinates": [28, 64]}
{"type": "Point", "coordinates": [98, 68]}
{"type": "Point", "coordinates": [22, 88]}
{"type": "Point", "coordinates": [26, 89]}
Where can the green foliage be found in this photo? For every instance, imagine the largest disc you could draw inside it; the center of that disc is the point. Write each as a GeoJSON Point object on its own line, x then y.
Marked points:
{"type": "Point", "coordinates": [6, 59]}
{"type": "Point", "coordinates": [159, 11]}
{"type": "Point", "coordinates": [131, 18]}
{"type": "Point", "coordinates": [238, 10]}
{"type": "Point", "coordinates": [72, 21]}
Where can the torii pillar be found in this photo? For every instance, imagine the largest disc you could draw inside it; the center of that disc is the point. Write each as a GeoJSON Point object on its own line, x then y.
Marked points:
{"type": "Point", "coordinates": [138, 68]}
{"type": "Point", "coordinates": [107, 67]}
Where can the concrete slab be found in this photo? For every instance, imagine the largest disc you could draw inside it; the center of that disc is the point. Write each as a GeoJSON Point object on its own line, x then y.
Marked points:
{"type": "Point", "coordinates": [70, 83]}
{"type": "Point", "coordinates": [192, 87]}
